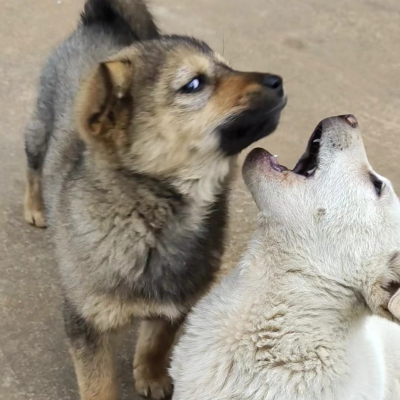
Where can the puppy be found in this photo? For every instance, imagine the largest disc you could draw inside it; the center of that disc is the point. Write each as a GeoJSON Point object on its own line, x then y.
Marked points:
{"type": "Point", "coordinates": [293, 320]}
{"type": "Point", "coordinates": [130, 154]}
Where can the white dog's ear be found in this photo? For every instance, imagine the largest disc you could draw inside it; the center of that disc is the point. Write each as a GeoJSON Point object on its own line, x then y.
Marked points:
{"type": "Point", "coordinates": [382, 296]}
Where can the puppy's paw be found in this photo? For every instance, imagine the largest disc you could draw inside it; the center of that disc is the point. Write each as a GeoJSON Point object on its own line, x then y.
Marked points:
{"type": "Point", "coordinates": [155, 384]}
{"type": "Point", "coordinates": [35, 217]}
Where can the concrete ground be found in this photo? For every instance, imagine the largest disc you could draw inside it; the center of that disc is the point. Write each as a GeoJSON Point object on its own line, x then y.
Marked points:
{"type": "Point", "coordinates": [336, 57]}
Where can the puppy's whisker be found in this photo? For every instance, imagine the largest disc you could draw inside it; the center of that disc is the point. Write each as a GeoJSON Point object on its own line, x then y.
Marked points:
{"type": "Point", "coordinates": [235, 58]}
{"type": "Point", "coordinates": [273, 109]}
{"type": "Point", "coordinates": [225, 42]}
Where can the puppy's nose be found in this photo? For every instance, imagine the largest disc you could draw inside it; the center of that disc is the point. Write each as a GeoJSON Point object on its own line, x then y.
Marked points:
{"type": "Point", "coordinates": [273, 82]}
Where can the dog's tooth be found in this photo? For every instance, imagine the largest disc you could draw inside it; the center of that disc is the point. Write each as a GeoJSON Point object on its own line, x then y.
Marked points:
{"type": "Point", "coordinates": [316, 140]}
{"type": "Point", "coordinates": [311, 171]}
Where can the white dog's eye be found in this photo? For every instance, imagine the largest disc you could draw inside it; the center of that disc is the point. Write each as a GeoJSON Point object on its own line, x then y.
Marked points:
{"type": "Point", "coordinates": [378, 184]}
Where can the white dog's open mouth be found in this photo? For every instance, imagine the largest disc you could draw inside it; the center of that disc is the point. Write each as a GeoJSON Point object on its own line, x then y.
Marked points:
{"type": "Point", "coordinates": [308, 162]}
{"type": "Point", "coordinates": [306, 165]}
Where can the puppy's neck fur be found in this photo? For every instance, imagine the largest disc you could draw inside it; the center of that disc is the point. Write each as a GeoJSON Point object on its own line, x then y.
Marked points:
{"type": "Point", "coordinates": [202, 186]}
{"type": "Point", "coordinates": [198, 190]}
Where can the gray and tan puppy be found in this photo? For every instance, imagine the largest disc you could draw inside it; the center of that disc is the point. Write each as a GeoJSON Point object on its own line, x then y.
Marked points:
{"type": "Point", "coordinates": [130, 154]}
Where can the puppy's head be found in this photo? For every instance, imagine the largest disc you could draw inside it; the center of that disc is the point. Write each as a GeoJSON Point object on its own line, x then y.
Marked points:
{"type": "Point", "coordinates": [335, 209]}
{"type": "Point", "coordinates": [173, 106]}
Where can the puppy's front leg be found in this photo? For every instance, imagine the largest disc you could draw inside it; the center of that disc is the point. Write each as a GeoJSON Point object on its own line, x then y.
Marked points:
{"type": "Point", "coordinates": [94, 368]}
{"type": "Point", "coordinates": [33, 204]}
{"type": "Point", "coordinates": [150, 366]}
{"type": "Point", "coordinates": [93, 356]}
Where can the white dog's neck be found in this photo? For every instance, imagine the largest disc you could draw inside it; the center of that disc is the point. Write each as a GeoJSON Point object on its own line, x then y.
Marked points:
{"type": "Point", "coordinates": [313, 316]}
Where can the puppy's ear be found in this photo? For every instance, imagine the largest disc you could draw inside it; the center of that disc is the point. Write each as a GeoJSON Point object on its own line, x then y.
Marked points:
{"type": "Point", "coordinates": [382, 298]}
{"type": "Point", "coordinates": [104, 104]}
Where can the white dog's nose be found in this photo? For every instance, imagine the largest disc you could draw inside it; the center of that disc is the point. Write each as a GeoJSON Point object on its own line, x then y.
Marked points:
{"type": "Point", "coordinates": [350, 120]}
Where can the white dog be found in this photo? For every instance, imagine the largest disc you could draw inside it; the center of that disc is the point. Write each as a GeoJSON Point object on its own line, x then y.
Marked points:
{"type": "Point", "coordinates": [293, 320]}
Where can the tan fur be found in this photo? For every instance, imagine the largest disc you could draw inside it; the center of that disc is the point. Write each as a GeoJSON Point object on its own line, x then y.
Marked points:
{"type": "Point", "coordinates": [106, 312]}
{"type": "Point", "coordinates": [150, 366]}
{"type": "Point", "coordinates": [96, 375]}
{"type": "Point", "coordinates": [33, 204]}
{"type": "Point", "coordinates": [234, 91]}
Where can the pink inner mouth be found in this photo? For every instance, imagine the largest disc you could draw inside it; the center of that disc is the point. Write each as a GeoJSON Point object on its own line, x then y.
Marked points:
{"type": "Point", "coordinates": [264, 156]}
{"type": "Point", "coordinates": [307, 164]}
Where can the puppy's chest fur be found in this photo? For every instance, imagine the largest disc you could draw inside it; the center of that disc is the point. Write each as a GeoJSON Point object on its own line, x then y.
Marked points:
{"type": "Point", "coordinates": [132, 237]}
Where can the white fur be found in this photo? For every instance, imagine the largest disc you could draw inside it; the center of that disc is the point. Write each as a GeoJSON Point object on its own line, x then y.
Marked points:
{"type": "Point", "coordinates": [294, 319]}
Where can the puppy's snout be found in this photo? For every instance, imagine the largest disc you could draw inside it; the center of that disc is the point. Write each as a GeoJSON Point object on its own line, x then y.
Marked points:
{"type": "Point", "coordinates": [350, 119]}
{"type": "Point", "coordinates": [273, 82]}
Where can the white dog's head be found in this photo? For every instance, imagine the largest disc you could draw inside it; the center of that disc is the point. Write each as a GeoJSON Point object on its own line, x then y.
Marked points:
{"type": "Point", "coordinates": [340, 214]}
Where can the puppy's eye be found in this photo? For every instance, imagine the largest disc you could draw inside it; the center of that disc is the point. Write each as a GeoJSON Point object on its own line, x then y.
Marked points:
{"type": "Point", "coordinates": [378, 184]}
{"type": "Point", "coordinates": [195, 85]}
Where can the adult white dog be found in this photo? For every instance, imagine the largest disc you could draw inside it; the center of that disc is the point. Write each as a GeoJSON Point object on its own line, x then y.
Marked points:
{"type": "Point", "coordinates": [293, 320]}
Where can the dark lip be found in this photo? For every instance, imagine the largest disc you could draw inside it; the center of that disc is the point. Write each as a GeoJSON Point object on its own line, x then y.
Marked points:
{"type": "Point", "coordinates": [249, 126]}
